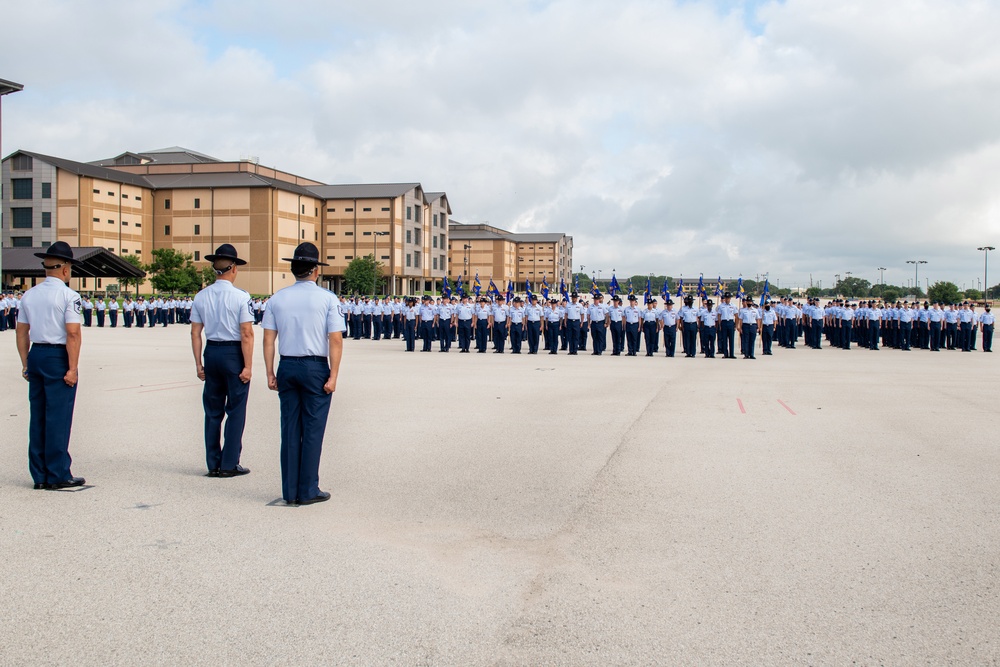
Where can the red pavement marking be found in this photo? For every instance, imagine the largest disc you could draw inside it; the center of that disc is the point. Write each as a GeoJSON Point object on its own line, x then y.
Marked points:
{"type": "Point", "coordinates": [784, 405]}
{"type": "Point", "coordinates": [740, 403]}
{"type": "Point", "coordinates": [143, 386]}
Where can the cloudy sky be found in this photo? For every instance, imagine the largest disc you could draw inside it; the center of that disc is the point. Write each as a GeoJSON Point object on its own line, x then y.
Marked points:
{"type": "Point", "coordinates": [799, 138]}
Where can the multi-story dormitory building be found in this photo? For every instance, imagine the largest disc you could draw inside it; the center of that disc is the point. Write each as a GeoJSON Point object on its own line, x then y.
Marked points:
{"type": "Point", "coordinates": [504, 256]}
{"type": "Point", "coordinates": [176, 198]}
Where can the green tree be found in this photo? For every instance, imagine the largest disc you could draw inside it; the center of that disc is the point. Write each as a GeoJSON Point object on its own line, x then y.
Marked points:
{"type": "Point", "coordinates": [944, 292]}
{"type": "Point", "coordinates": [852, 287]}
{"type": "Point", "coordinates": [363, 275]}
{"type": "Point", "coordinates": [813, 292]}
{"type": "Point", "coordinates": [890, 294]}
{"type": "Point", "coordinates": [172, 271]}
{"type": "Point", "coordinates": [207, 276]}
{"type": "Point", "coordinates": [126, 283]}
{"type": "Point", "coordinates": [973, 294]}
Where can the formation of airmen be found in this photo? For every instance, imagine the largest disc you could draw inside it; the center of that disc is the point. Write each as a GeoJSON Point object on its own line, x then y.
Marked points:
{"type": "Point", "coordinates": [161, 311]}
{"type": "Point", "coordinates": [9, 304]}
{"type": "Point", "coordinates": [566, 324]}
{"type": "Point", "coordinates": [305, 325]}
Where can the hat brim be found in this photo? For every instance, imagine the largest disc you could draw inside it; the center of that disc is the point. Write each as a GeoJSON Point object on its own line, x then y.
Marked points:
{"type": "Point", "coordinates": [304, 260]}
{"type": "Point", "coordinates": [70, 260]}
{"type": "Point", "coordinates": [236, 260]}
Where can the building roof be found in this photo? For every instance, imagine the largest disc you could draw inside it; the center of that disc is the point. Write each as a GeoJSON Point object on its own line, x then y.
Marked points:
{"type": "Point", "coordinates": [538, 238]}
{"type": "Point", "coordinates": [95, 262]}
{"type": "Point", "coordinates": [230, 179]}
{"type": "Point", "coordinates": [431, 197]}
{"type": "Point", "coordinates": [7, 87]}
{"type": "Point", "coordinates": [177, 154]}
{"type": "Point", "coordinates": [84, 169]}
{"type": "Point", "coordinates": [362, 191]}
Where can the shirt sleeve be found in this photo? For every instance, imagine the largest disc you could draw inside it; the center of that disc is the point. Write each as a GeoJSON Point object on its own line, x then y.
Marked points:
{"type": "Point", "coordinates": [196, 313]}
{"type": "Point", "coordinates": [334, 320]}
{"type": "Point", "coordinates": [268, 321]}
{"type": "Point", "coordinates": [71, 313]}
{"type": "Point", "coordinates": [246, 314]}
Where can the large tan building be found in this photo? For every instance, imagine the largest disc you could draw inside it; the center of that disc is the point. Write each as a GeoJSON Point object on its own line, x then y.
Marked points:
{"type": "Point", "coordinates": [504, 256]}
{"type": "Point", "coordinates": [175, 198]}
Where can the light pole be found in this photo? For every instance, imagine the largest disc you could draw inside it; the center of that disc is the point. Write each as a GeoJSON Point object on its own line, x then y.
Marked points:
{"type": "Point", "coordinates": [6, 88]}
{"type": "Point", "coordinates": [916, 271]}
{"type": "Point", "coordinates": [986, 267]}
{"type": "Point", "coordinates": [375, 236]}
{"type": "Point", "coordinates": [881, 277]}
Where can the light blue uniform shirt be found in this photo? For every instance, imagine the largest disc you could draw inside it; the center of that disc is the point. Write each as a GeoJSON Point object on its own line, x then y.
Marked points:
{"type": "Point", "coordinates": [304, 315]}
{"type": "Point", "coordinates": [668, 317]}
{"type": "Point", "coordinates": [222, 308]}
{"type": "Point", "coordinates": [47, 309]}
{"type": "Point", "coordinates": [987, 319]}
{"type": "Point", "coordinates": [632, 315]}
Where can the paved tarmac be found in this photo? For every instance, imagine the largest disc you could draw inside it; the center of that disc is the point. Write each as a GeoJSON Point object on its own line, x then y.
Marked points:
{"type": "Point", "coordinates": [811, 508]}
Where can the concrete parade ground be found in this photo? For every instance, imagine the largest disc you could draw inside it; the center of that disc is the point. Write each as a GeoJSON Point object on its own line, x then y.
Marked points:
{"type": "Point", "coordinates": [810, 508]}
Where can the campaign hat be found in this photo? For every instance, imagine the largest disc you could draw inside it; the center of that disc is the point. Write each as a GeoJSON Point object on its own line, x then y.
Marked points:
{"type": "Point", "coordinates": [58, 250]}
{"type": "Point", "coordinates": [306, 253]}
{"type": "Point", "coordinates": [227, 251]}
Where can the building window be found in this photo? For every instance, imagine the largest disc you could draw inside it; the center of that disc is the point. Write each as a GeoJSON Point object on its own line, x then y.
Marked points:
{"type": "Point", "coordinates": [434, 263]}
{"type": "Point", "coordinates": [315, 236]}
{"type": "Point", "coordinates": [110, 221]}
{"type": "Point", "coordinates": [197, 203]}
{"type": "Point", "coordinates": [315, 212]}
{"type": "Point", "coordinates": [443, 219]}
{"type": "Point", "coordinates": [408, 236]}
{"type": "Point", "coordinates": [21, 188]}
{"type": "Point", "coordinates": [197, 230]}
{"type": "Point", "coordinates": [197, 255]}
{"type": "Point", "coordinates": [46, 219]}
{"type": "Point", "coordinates": [385, 256]}
{"type": "Point", "coordinates": [330, 257]}
{"type": "Point", "coordinates": [385, 209]}
{"type": "Point", "coordinates": [434, 241]}
{"type": "Point", "coordinates": [166, 230]}
{"type": "Point", "coordinates": [348, 233]}
{"type": "Point", "coordinates": [416, 236]}
{"type": "Point", "coordinates": [348, 256]}
{"type": "Point", "coordinates": [97, 219]}
{"type": "Point", "coordinates": [166, 204]}
{"type": "Point", "coordinates": [417, 214]}
{"type": "Point", "coordinates": [331, 233]}
{"type": "Point", "coordinates": [348, 210]}
{"type": "Point", "coordinates": [367, 209]}
{"type": "Point", "coordinates": [302, 233]}
{"type": "Point", "coordinates": [442, 244]}
{"type": "Point", "coordinates": [407, 260]}
{"type": "Point", "coordinates": [124, 223]}
{"type": "Point", "coordinates": [409, 213]}
{"type": "Point", "coordinates": [434, 220]}
{"type": "Point", "coordinates": [22, 163]}
{"type": "Point", "coordinates": [96, 191]}
{"type": "Point", "coordinates": [138, 224]}
{"type": "Point", "coordinates": [138, 198]}
{"type": "Point", "coordinates": [110, 193]}
{"type": "Point", "coordinates": [20, 241]}
{"type": "Point", "coordinates": [441, 263]}
{"type": "Point", "coordinates": [46, 244]}
{"type": "Point", "coordinates": [303, 209]}
{"type": "Point", "coordinates": [46, 191]}
{"type": "Point", "coordinates": [21, 218]}
{"type": "Point", "coordinates": [416, 260]}
{"type": "Point", "coordinates": [366, 233]}
{"type": "Point", "coordinates": [124, 196]}
{"type": "Point", "coordinates": [331, 210]}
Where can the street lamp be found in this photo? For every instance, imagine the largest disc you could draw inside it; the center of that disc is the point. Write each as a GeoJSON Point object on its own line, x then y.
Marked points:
{"type": "Point", "coordinates": [375, 236]}
{"type": "Point", "coordinates": [881, 279]}
{"type": "Point", "coordinates": [986, 266]}
{"type": "Point", "coordinates": [916, 271]}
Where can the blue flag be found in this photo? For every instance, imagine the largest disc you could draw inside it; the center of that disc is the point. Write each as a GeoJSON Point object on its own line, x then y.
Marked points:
{"type": "Point", "coordinates": [510, 291]}
{"type": "Point", "coordinates": [576, 284]}
{"type": "Point", "coordinates": [740, 292]}
{"type": "Point", "coordinates": [492, 289]}
{"type": "Point", "coordinates": [545, 288]}
{"type": "Point", "coordinates": [562, 289]}
{"type": "Point", "coordinates": [613, 286]}
{"type": "Point", "coordinates": [631, 290]}
{"type": "Point", "coordinates": [445, 288]}
{"type": "Point", "coordinates": [477, 286]}
{"type": "Point", "coordinates": [665, 292]}
{"type": "Point", "coordinates": [718, 287]}
{"type": "Point", "coordinates": [701, 287]}
{"type": "Point", "coordinates": [765, 296]}
{"type": "Point", "coordinates": [594, 289]}
{"type": "Point", "coordinates": [647, 295]}
{"type": "Point", "coordinates": [527, 288]}
{"type": "Point", "coordinates": [458, 287]}
{"type": "Point", "coordinates": [680, 288]}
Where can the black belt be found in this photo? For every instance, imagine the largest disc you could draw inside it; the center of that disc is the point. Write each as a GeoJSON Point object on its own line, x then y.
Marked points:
{"type": "Point", "coordinates": [285, 357]}
{"type": "Point", "coordinates": [223, 343]}
{"type": "Point", "coordinates": [60, 345]}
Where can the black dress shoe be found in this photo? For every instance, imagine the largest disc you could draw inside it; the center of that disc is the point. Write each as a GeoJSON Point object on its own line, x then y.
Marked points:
{"type": "Point", "coordinates": [42, 486]}
{"type": "Point", "coordinates": [69, 483]}
{"type": "Point", "coordinates": [320, 497]}
{"type": "Point", "coordinates": [213, 473]}
{"type": "Point", "coordinates": [235, 472]}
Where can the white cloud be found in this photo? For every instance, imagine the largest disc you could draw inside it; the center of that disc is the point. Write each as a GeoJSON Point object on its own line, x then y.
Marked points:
{"type": "Point", "coordinates": [666, 138]}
